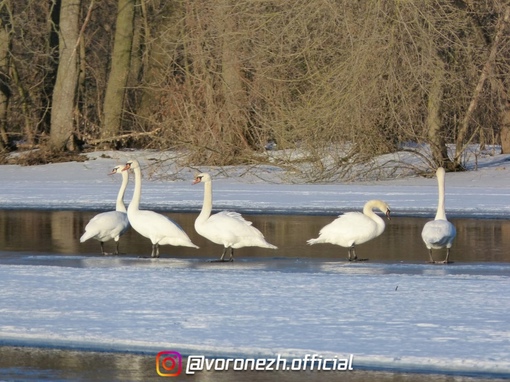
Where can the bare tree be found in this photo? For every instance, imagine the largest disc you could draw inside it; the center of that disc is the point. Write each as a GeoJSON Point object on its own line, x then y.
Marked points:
{"type": "Point", "coordinates": [5, 91]}
{"type": "Point", "coordinates": [63, 102]}
{"type": "Point", "coordinates": [462, 138]}
{"type": "Point", "coordinates": [119, 70]}
{"type": "Point", "coordinates": [340, 82]}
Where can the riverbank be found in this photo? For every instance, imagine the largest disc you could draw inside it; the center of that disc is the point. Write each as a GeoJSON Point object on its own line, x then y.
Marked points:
{"type": "Point", "coordinates": [86, 185]}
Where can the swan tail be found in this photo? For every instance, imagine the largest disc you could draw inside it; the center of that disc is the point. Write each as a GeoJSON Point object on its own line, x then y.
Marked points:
{"type": "Point", "coordinates": [178, 243]}
{"type": "Point", "coordinates": [86, 236]}
{"type": "Point", "coordinates": [313, 241]}
{"type": "Point", "coordinates": [271, 246]}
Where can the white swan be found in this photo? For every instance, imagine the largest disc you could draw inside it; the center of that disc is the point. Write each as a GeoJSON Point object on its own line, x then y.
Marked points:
{"type": "Point", "coordinates": [112, 224]}
{"type": "Point", "coordinates": [156, 227]}
{"type": "Point", "coordinates": [439, 233]}
{"type": "Point", "coordinates": [226, 228]}
{"type": "Point", "coordinates": [354, 228]}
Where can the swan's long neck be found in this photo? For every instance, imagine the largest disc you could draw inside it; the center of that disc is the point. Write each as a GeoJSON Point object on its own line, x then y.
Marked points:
{"type": "Point", "coordinates": [441, 213]}
{"type": "Point", "coordinates": [120, 206]}
{"type": "Point", "coordinates": [368, 210]}
{"type": "Point", "coordinates": [135, 202]}
{"type": "Point", "coordinates": [207, 205]}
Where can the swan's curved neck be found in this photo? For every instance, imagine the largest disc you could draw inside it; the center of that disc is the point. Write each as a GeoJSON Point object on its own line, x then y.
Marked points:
{"type": "Point", "coordinates": [207, 206]}
{"type": "Point", "coordinates": [441, 213]}
{"type": "Point", "coordinates": [120, 206]}
{"type": "Point", "coordinates": [135, 202]}
{"type": "Point", "coordinates": [368, 210]}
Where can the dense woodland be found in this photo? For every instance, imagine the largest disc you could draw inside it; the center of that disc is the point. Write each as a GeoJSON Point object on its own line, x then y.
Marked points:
{"type": "Point", "coordinates": [339, 79]}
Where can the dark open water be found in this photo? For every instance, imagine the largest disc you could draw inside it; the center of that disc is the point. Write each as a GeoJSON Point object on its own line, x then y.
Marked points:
{"type": "Point", "coordinates": [58, 232]}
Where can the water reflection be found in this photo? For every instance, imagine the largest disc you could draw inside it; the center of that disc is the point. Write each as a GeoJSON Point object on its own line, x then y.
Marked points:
{"type": "Point", "coordinates": [59, 231]}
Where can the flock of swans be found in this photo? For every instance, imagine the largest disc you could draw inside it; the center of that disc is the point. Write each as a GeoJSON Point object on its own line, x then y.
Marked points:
{"type": "Point", "coordinates": [231, 230]}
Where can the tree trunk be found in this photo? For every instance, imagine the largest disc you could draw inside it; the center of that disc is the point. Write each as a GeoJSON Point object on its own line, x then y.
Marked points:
{"type": "Point", "coordinates": [235, 121]}
{"type": "Point", "coordinates": [4, 83]}
{"type": "Point", "coordinates": [505, 129]}
{"type": "Point", "coordinates": [434, 123]}
{"type": "Point", "coordinates": [120, 67]}
{"type": "Point", "coordinates": [62, 121]}
{"type": "Point", "coordinates": [462, 142]}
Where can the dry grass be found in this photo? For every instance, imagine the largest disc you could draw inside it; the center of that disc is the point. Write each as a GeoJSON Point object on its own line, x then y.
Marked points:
{"type": "Point", "coordinates": [43, 156]}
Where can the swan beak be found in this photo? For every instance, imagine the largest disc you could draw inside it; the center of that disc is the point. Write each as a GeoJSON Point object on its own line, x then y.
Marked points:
{"type": "Point", "coordinates": [197, 180]}
{"type": "Point", "coordinates": [114, 171]}
{"type": "Point", "coordinates": [388, 214]}
{"type": "Point", "coordinates": [127, 167]}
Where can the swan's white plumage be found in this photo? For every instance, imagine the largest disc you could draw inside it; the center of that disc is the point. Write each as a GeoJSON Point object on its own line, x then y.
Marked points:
{"type": "Point", "coordinates": [112, 224]}
{"type": "Point", "coordinates": [354, 228]}
{"type": "Point", "coordinates": [156, 227]}
{"type": "Point", "coordinates": [106, 226]}
{"type": "Point", "coordinates": [226, 228]}
{"type": "Point", "coordinates": [439, 233]}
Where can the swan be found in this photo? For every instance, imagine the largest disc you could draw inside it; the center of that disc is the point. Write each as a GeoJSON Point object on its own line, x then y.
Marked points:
{"type": "Point", "coordinates": [439, 233]}
{"type": "Point", "coordinates": [354, 228]}
{"type": "Point", "coordinates": [226, 228]}
{"type": "Point", "coordinates": [156, 227]}
{"type": "Point", "coordinates": [112, 224]}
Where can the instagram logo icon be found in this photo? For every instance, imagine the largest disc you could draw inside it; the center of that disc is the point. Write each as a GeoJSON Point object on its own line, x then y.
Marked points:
{"type": "Point", "coordinates": [168, 363]}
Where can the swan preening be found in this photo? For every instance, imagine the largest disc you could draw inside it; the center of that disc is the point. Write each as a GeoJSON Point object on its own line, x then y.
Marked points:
{"type": "Point", "coordinates": [112, 224]}
{"type": "Point", "coordinates": [439, 233]}
{"type": "Point", "coordinates": [156, 227]}
{"type": "Point", "coordinates": [354, 228]}
{"type": "Point", "coordinates": [226, 228]}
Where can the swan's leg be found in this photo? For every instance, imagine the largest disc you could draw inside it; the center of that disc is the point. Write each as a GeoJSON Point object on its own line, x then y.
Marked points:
{"type": "Point", "coordinates": [117, 247]}
{"type": "Point", "coordinates": [108, 253]}
{"type": "Point", "coordinates": [446, 261]}
{"type": "Point", "coordinates": [231, 258]}
{"type": "Point", "coordinates": [352, 254]}
{"type": "Point", "coordinates": [430, 256]}
{"type": "Point", "coordinates": [222, 258]}
{"type": "Point", "coordinates": [155, 250]}
{"type": "Point", "coordinates": [223, 254]}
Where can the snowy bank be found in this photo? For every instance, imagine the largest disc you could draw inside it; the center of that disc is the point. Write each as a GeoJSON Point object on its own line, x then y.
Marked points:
{"type": "Point", "coordinates": [481, 193]}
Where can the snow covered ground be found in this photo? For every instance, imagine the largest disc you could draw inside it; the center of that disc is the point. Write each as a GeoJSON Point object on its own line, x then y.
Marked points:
{"type": "Point", "coordinates": [483, 193]}
{"type": "Point", "coordinates": [400, 316]}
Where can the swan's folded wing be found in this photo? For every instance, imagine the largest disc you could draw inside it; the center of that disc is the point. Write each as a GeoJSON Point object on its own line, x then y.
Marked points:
{"type": "Point", "coordinates": [349, 228]}
{"type": "Point", "coordinates": [233, 223]}
{"type": "Point", "coordinates": [106, 226]}
{"type": "Point", "coordinates": [348, 223]}
{"type": "Point", "coordinates": [229, 215]}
